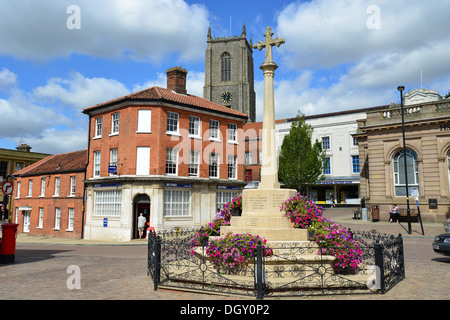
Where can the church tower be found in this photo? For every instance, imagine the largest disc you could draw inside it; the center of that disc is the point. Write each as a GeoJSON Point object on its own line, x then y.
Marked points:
{"type": "Point", "coordinates": [229, 76]}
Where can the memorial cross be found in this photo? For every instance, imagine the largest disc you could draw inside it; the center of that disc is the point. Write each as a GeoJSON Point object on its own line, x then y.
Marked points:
{"type": "Point", "coordinates": [268, 44]}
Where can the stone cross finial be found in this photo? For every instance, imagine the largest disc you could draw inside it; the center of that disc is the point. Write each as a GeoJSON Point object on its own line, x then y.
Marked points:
{"type": "Point", "coordinates": [268, 44]}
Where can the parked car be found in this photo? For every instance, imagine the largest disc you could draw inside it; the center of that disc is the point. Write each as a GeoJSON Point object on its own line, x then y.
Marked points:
{"type": "Point", "coordinates": [447, 225]}
{"type": "Point", "coordinates": [441, 244]}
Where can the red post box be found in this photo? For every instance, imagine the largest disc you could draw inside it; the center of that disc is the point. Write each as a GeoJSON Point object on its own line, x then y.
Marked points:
{"type": "Point", "coordinates": [8, 250]}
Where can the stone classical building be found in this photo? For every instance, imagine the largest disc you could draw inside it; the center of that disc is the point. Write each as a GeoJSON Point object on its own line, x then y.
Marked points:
{"type": "Point", "coordinates": [162, 152]}
{"type": "Point", "coordinates": [229, 76]}
{"type": "Point", "coordinates": [12, 161]}
{"type": "Point", "coordinates": [427, 132]}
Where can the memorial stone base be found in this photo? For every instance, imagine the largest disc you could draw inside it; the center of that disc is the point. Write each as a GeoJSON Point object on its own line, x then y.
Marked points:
{"type": "Point", "coordinates": [261, 215]}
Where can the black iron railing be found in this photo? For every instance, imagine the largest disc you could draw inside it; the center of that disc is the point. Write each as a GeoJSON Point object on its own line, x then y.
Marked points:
{"type": "Point", "coordinates": [294, 269]}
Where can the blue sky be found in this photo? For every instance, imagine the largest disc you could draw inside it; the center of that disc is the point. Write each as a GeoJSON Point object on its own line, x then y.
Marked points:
{"type": "Point", "coordinates": [60, 56]}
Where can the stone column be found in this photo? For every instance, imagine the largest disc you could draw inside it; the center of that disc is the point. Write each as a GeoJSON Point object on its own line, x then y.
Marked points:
{"type": "Point", "coordinates": [261, 213]}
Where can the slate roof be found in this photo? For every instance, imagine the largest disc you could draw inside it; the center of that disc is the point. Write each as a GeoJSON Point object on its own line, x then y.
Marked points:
{"type": "Point", "coordinates": [60, 163]}
{"type": "Point", "coordinates": [158, 94]}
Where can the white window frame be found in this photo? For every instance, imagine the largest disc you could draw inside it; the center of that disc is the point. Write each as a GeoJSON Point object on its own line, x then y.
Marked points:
{"type": "Point", "coordinates": [19, 184]}
{"type": "Point", "coordinates": [42, 187]}
{"type": "Point", "coordinates": [107, 203]}
{"type": "Point", "coordinates": [326, 143]}
{"type": "Point", "coordinates": [113, 155]}
{"type": "Point", "coordinates": [177, 203]}
{"type": "Point", "coordinates": [194, 163]}
{"type": "Point", "coordinates": [73, 181]}
{"type": "Point", "coordinates": [214, 165]}
{"type": "Point", "coordinates": [248, 158]}
{"type": "Point", "coordinates": [57, 219]}
{"type": "Point", "coordinates": [115, 123]}
{"type": "Point", "coordinates": [232, 167]}
{"type": "Point", "coordinates": [328, 166]}
{"type": "Point", "coordinates": [144, 121]}
{"type": "Point", "coordinates": [353, 164]}
{"type": "Point", "coordinates": [41, 218]}
{"type": "Point", "coordinates": [57, 186]}
{"type": "Point", "coordinates": [70, 219]}
{"type": "Point", "coordinates": [97, 162]}
{"type": "Point", "coordinates": [214, 130]}
{"type": "Point", "coordinates": [232, 133]}
{"type": "Point", "coordinates": [98, 127]}
{"type": "Point", "coordinates": [223, 197]}
{"type": "Point", "coordinates": [30, 188]}
{"type": "Point", "coordinates": [173, 122]}
{"type": "Point", "coordinates": [195, 127]}
{"type": "Point", "coordinates": [171, 161]}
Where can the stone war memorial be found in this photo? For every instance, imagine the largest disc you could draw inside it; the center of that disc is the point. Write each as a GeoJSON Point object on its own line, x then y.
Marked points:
{"type": "Point", "coordinates": [265, 251]}
{"type": "Point", "coordinates": [261, 207]}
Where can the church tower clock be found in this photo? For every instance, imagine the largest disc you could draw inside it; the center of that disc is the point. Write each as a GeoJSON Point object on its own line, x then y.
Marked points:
{"type": "Point", "coordinates": [229, 75]}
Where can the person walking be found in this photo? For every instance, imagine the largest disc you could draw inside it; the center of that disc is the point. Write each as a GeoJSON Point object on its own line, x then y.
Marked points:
{"type": "Point", "coordinates": [141, 225]}
{"type": "Point", "coordinates": [332, 199]}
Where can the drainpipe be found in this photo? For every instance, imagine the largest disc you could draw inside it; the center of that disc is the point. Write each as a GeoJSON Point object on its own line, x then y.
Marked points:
{"type": "Point", "coordinates": [84, 184]}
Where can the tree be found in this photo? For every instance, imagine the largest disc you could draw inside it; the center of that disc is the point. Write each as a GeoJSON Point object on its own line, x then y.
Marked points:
{"type": "Point", "coordinates": [300, 162]}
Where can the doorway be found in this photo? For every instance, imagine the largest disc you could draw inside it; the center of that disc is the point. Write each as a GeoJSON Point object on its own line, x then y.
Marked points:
{"type": "Point", "coordinates": [26, 221]}
{"type": "Point", "coordinates": [141, 205]}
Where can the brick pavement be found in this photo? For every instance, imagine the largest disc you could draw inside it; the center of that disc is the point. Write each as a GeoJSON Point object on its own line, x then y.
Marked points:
{"type": "Point", "coordinates": [42, 274]}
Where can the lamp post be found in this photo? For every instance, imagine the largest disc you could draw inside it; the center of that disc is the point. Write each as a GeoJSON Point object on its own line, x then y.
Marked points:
{"type": "Point", "coordinates": [401, 88]}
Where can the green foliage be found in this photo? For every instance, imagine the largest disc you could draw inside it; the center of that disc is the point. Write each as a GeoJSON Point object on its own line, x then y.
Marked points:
{"type": "Point", "coordinates": [300, 161]}
{"type": "Point", "coordinates": [447, 95]}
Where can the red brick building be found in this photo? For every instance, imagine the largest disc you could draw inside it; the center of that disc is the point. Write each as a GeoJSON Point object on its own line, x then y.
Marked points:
{"type": "Point", "coordinates": [162, 152]}
{"type": "Point", "coordinates": [48, 196]}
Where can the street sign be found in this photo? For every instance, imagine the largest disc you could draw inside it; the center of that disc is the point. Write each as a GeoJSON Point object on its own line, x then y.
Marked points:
{"type": "Point", "coordinates": [112, 169]}
{"type": "Point", "coordinates": [7, 188]}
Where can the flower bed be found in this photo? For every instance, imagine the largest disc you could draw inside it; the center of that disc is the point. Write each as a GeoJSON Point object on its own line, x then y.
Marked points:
{"type": "Point", "coordinates": [332, 238]}
{"type": "Point", "coordinates": [213, 228]}
{"type": "Point", "coordinates": [233, 251]}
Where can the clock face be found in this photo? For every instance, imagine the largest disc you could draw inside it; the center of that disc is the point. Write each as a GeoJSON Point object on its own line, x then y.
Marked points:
{"type": "Point", "coordinates": [226, 97]}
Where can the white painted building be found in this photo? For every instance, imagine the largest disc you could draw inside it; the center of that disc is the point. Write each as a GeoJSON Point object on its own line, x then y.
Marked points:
{"type": "Point", "coordinates": [334, 131]}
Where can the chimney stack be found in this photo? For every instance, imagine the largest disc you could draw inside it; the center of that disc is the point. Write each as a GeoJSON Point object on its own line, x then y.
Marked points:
{"type": "Point", "coordinates": [176, 79]}
{"type": "Point", "coordinates": [24, 147]}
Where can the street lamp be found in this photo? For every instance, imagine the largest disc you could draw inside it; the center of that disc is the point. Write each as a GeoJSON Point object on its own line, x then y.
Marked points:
{"type": "Point", "coordinates": [401, 88]}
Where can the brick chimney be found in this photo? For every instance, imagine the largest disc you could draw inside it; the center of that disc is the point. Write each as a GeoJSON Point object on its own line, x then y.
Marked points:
{"type": "Point", "coordinates": [176, 79]}
{"type": "Point", "coordinates": [24, 147]}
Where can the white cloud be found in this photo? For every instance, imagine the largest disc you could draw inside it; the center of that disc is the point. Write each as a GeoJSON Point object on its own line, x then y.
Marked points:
{"type": "Point", "coordinates": [21, 117]}
{"type": "Point", "coordinates": [140, 29]}
{"type": "Point", "coordinates": [8, 80]}
{"type": "Point", "coordinates": [54, 141]}
{"type": "Point", "coordinates": [194, 83]}
{"type": "Point", "coordinates": [80, 92]}
{"type": "Point", "coordinates": [328, 38]}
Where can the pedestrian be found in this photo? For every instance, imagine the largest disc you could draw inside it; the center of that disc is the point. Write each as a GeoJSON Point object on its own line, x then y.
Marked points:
{"type": "Point", "coordinates": [218, 214]}
{"type": "Point", "coordinates": [394, 213]}
{"type": "Point", "coordinates": [141, 225]}
{"type": "Point", "coordinates": [332, 199]}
